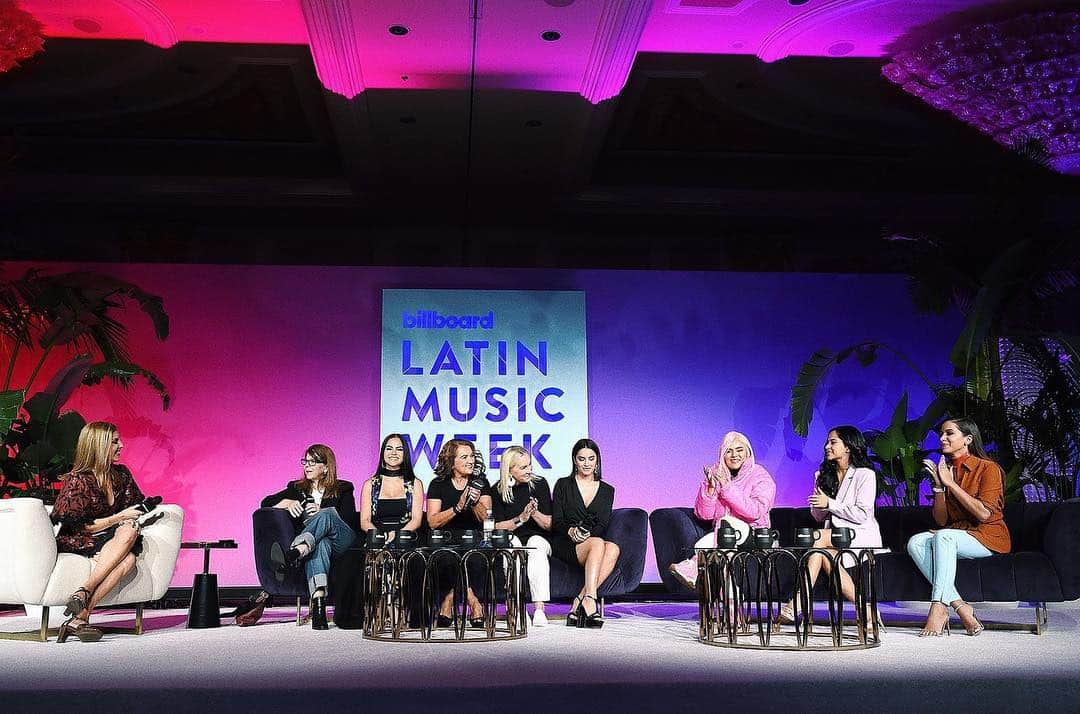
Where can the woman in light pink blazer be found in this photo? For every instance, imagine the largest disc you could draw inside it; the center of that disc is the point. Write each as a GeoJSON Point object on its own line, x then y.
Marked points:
{"type": "Point", "coordinates": [845, 488]}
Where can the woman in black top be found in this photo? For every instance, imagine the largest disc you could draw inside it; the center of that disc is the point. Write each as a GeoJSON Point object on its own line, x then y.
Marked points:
{"type": "Point", "coordinates": [581, 511]}
{"type": "Point", "coordinates": [458, 500]}
{"type": "Point", "coordinates": [324, 513]}
{"type": "Point", "coordinates": [389, 500]}
{"type": "Point", "coordinates": [522, 504]}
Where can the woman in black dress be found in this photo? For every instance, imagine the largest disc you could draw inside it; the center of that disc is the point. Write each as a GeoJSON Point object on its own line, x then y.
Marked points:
{"type": "Point", "coordinates": [458, 500]}
{"type": "Point", "coordinates": [389, 500]}
{"type": "Point", "coordinates": [96, 510]}
{"type": "Point", "coordinates": [581, 511]}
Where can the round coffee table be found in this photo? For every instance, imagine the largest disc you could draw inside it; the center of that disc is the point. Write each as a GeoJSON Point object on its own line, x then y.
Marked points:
{"type": "Point", "coordinates": [400, 581]}
{"type": "Point", "coordinates": [739, 596]}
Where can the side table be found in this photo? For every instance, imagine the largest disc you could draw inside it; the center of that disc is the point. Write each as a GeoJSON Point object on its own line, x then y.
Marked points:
{"type": "Point", "coordinates": [204, 611]}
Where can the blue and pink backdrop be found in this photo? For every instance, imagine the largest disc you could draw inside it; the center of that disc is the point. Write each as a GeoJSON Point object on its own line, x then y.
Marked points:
{"type": "Point", "coordinates": [263, 361]}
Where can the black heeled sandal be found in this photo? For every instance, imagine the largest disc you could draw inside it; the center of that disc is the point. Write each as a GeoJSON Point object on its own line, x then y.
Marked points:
{"type": "Point", "coordinates": [76, 604]}
{"type": "Point", "coordinates": [595, 620]}
{"type": "Point", "coordinates": [576, 616]}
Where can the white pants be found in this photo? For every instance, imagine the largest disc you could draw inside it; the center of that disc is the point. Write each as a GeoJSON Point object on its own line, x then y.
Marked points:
{"type": "Point", "coordinates": [538, 568]}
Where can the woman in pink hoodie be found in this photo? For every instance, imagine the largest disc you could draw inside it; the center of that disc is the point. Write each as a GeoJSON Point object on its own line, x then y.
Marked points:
{"type": "Point", "coordinates": [736, 490]}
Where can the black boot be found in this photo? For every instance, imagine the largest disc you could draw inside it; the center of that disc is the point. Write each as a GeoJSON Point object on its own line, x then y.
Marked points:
{"type": "Point", "coordinates": [317, 610]}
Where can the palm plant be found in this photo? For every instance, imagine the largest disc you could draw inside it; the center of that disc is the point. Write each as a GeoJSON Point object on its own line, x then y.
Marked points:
{"type": "Point", "coordinates": [75, 312]}
{"type": "Point", "coordinates": [1011, 308]}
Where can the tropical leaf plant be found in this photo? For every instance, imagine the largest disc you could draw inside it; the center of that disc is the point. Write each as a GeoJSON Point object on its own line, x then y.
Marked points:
{"type": "Point", "coordinates": [1011, 305]}
{"type": "Point", "coordinates": [75, 312]}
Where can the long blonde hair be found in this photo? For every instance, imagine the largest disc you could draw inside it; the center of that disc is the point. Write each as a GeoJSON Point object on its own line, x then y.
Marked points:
{"type": "Point", "coordinates": [94, 452]}
{"type": "Point", "coordinates": [510, 456]}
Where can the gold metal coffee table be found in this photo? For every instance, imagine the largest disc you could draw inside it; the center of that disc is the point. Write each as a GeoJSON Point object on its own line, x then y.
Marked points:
{"type": "Point", "coordinates": [401, 601]}
{"type": "Point", "coordinates": [739, 596]}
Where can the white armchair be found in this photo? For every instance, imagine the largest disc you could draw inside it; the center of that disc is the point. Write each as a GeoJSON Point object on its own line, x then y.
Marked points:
{"type": "Point", "coordinates": [33, 573]}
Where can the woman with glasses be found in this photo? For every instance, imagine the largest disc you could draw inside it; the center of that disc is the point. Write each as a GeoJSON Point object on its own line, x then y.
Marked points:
{"type": "Point", "coordinates": [324, 513]}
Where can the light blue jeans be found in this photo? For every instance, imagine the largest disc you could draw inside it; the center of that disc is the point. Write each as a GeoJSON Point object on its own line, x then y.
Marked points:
{"type": "Point", "coordinates": [935, 554]}
{"type": "Point", "coordinates": [326, 536]}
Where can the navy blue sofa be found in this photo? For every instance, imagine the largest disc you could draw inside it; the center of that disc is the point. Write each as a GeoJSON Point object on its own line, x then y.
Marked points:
{"type": "Point", "coordinates": [629, 528]}
{"type": "Point", "coordinates": [1044, 565]}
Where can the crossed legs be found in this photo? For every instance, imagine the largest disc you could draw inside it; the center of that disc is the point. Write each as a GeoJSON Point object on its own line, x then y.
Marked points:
{"type": "Point", "coordinates": [598, 557]}
{"type": "Point", "coordinates": [111, 565]}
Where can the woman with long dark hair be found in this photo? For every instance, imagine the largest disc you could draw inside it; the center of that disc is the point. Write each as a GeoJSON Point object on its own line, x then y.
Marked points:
{"type": "Point", "coordinates": [969, 501]}
{"type": "Point", "coordinates": [845, 488]}
{"type": "Point", "coordinates": [389, 500]}
{"type": "Point", "coordinates": [324, 511]}
{"type": "Point", "coordinates": [98, 519]}
{"type": "Point", "coordinates": [581, 511]}
{"type": "Point", "coordinates": [458, 500]}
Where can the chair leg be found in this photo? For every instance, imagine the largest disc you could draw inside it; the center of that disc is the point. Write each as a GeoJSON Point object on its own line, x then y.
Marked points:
{"type": "Point", "coordinates": [41, 634]}
{"type": "Point", "coordinates": [602, 607]}
{"type": "Point", "coordinates": [1040, 617]}
{"type": "Point", "coordinates": [136, 630]}
{"type": "Point", "coordinates": [298, 620]}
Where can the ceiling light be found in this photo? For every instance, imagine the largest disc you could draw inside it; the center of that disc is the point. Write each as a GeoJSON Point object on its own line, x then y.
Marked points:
{"type": "Point", "coordinates": [550, 35]}
{"type": "Point", "coordinates": [398, 30]}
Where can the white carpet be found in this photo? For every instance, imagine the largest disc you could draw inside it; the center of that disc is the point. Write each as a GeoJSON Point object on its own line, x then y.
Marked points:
{"type": "Point", "coordinates": [637, 661]}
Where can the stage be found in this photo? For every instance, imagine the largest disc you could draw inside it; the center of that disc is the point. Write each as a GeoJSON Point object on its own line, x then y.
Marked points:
{"type": "Point", "coordinates": [645, 658]}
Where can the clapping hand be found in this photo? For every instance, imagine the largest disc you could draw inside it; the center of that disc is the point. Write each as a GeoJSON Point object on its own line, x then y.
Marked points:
{"type": "Point", "coordinates": [530, 510]}
{"type": "Point", "coordinates": [818, 499]}
{"type": "Point", "coordinates": [945, 473]}
{"type": "Point", "coordinates": [295, 509]}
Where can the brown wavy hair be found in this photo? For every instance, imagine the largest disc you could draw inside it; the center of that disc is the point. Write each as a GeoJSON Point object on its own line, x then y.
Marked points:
{"type": "Point", "coordinates": [444, 465]}
{"type": "Point", "coordinates": [324, 455]}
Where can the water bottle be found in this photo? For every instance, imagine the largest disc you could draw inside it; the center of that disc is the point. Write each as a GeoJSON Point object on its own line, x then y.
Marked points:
{"type": "Point", "coordinates": [489, 526]}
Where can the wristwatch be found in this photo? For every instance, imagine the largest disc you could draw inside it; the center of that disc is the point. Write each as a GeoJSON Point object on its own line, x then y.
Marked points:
{"type": "Point", "coordinates": [517, 522]}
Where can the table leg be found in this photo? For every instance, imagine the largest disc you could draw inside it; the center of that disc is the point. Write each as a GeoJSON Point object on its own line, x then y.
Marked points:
{"type": "Point", "coordinates": [204, 611]}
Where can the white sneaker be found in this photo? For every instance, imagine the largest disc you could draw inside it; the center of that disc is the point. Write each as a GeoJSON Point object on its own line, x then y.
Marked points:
{"type": "Point", "coordinates": [686, 572]}
{"type": "Point", "coordinates": [539, 619]}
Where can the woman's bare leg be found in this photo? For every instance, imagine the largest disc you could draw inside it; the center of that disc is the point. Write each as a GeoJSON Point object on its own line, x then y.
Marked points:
{"type": "Point", "coordinates": [110, 555]}
{"type": "Point", "coordinates": [608, 560]}
{"type": "Point", "coordinates": [109, 583]}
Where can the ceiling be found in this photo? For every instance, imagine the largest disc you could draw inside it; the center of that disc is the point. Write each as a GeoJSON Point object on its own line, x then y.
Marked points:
{"type": "Point", "coordinates": [759, 112]}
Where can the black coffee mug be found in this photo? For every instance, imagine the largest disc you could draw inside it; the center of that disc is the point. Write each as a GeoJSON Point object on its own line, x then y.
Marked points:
{"type": "Point", "coordinates": [375, 538]}
{"type": "Point", "coordinates": [806, 537]}
{"type": "Point", "coordinates": [727, 539]}
{"type": "Point", "coordinates": [765, 537]}
{"type": "Point", "coordinates": [404, 539]}
{"type": "Point", "coordinates": [469, 538]}
{"type": "Point", "coordinates": [842, 537]}
{"type": "Point", "coordinates": [500, 538]}
{"type": "Point", "coordinates": [439, 538]}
